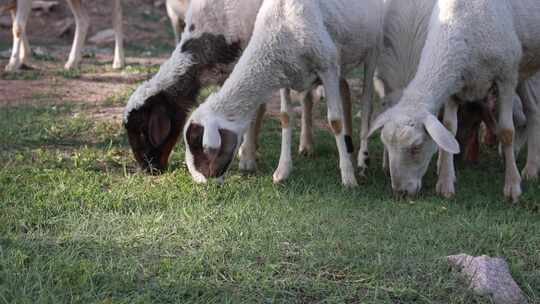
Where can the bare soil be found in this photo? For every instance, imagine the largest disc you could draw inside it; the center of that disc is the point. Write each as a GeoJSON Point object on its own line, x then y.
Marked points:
{"type": "Point", "coordinates": [149, 40]}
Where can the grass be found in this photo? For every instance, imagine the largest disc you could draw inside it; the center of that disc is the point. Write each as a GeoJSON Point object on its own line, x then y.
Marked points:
{"type": "Point", "coordinates": [80, 224]}
{"type": "Point", "coordinates": [22, 75]}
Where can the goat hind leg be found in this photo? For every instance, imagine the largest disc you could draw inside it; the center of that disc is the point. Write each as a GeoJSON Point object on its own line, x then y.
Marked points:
{"type": "Point", "coordinates": [248, 150]}
{"type": "Point", "coordinates": [531, 104]}
{"type": "Point", "coordinates": [367, 108]}
{"type": "Point", "coordinates": [285, 159]}
{"type": "Point", "coordinates": [331, 83]}
{"type": "Point", "coordinates": [446, 170]}
{"type": "Point", "coordinates": [306, 130]}
{"type": "Point", "coordinates": [512, 185]}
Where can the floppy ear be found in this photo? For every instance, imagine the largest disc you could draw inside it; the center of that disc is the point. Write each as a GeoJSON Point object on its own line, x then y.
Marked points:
{"type": "Point", "coordinates": [379, 122]}
{"type": "Point", "coordinates": [444, 139]}
{"type": "Point", "coordinates": [213, 162]}
{"type": "Point", "coordinates": [159, 126]}
{"type": "Point", "coordinates": [229, 141]}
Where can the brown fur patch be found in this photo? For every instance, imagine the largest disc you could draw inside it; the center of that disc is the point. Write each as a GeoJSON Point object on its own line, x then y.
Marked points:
{"type": "Point", "coordinates": [17, 32]}
{"type": "Point", "coordinates": [284, 117]}
{"type": "Point", "coordinates": [507, 137]}
{"type": "Point", "coordinates": [336, 126]}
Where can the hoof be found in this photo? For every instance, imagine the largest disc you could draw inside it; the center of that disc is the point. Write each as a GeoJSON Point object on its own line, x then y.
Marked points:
{"type": "Point", "coordinates": [280, 175]}
{"type": "Point", "coordinates": [305, 151]}
{"type": "Point", "coordinates": [349, 180]}
{"type": "Point", "coordinates": [446, 189]}
{"type": "Point", "coordinates": [118, 65]}
{"type": "Point", "coordinates": [512, 192]}
{"type": "Point", "coordinates": [71, 65]}
{"type": "Point", "coordinates": [247, 165]}
{"type": "Point", "coordinates": [13, 66]}
{"type": "Point", "coordinates": [529, 173]}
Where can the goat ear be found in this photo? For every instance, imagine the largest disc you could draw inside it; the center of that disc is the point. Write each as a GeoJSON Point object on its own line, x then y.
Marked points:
{"type": "Point", "coordinates": [159, 126]}
{"type": "Point", "coordinates": [229, 141]}
{"type": "Point", "coordinates": [211, 163]}
{"type": "Point", "coordinates": [194, 138]}
{"type": "Point", "coordinates": [444, 139]}
{"type": "Point", "coordinates": [379, 122]}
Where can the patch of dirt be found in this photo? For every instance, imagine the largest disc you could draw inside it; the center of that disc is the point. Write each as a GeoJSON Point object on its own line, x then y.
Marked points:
{"type": "Point", "coordinates": [96, 82]}
{"type": "Point", "coordinates": [145, 26]}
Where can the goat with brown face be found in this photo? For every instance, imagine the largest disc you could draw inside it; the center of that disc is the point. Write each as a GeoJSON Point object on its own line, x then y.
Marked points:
{"type": "Point", "coordinates": [157, 110]}
{"type": "Point", "coordinates": [154, 129]}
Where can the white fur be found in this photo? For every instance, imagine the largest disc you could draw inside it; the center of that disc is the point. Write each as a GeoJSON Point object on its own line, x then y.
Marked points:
{"type": "Point", "coordinates": [232, 18]}
{"type": "Point", "coordinates": [164, 80]}
{"type": "Point", "coordinates": [235, 21]}
{"type": "Point", "coordinates": [471, 46]}
{"type": "Point", "coordinates": [294, 42]}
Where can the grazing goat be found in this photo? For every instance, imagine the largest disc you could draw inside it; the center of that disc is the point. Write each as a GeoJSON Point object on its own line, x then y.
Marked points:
{"type": "Point", "coordinates": [295, 44]}
{"type": "Point", "coordinates": [215, 33]}
{"type": "Point", "coordinates": [405, 31]}
{"type": "Point", "coordinates": [473, 49]}
{"type": "Point", "coordinates": [207, 51]}
{"type": "Point", "coordinates": [20, 53]}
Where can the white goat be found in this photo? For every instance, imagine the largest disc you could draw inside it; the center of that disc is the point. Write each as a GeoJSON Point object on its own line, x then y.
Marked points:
{"type": "Point", "coordinates": [405, 31]}
{"type": "Point", "coordinates": [21, 50]}
{"type": "Point", "coordinates": [472, 48]}
{"type": "Point", "coordinates": [294, 43]}
{"type": "Point", "coordinates": [215, 34]}
{"type": "Point", "coordinates": [177, 9]}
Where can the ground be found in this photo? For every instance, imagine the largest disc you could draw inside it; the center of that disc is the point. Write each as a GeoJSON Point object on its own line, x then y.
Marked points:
{"type": "Point", "coordinates": [80, 223]}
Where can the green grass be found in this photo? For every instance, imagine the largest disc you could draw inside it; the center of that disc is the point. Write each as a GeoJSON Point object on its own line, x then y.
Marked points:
{"type": "Point", "coordinates": [22, 75]}
{"type": "Point", "coordinates": [79, 224]}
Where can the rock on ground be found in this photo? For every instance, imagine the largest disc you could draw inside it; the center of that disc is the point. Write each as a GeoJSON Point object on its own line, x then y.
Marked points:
{"type": "Point", "coordinates": [489, 277]}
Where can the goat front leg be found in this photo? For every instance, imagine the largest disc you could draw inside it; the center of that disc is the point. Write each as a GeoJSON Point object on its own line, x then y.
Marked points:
{"type": "Point", "coordinates": [285, 159]}
{"type": "Point", "coordinates": [346, 98]}
{"type": "Point", "coordinates": [306, 129]}
{"type": "Point", "coordinates": [512, 184]}
{"type": "Point", "coordinates": [248, 151]}
{"type": "Point", "coordinates": [367, 109]}
{"type": "Point", "coordinates": [119, 58]}
{"type": "Point", "coordinates": [446, 170]}
{"type": "Point", "coordinates": [20, 51]}
{"type": "Point", "coordinates": [81, 29]}
{"type": "Point", "coordinates": [331, 83]}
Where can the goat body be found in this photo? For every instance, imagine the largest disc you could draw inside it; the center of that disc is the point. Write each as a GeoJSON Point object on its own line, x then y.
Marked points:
{"type": "Point", "coordinates": [294, 44]}
{"type": "Point", "coordinates": [472, 48]}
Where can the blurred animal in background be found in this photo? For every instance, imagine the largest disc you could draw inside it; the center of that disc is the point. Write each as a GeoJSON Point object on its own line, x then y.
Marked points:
{"type": "Point", "coordinates": [20, 53]}
{"type": "Point", "coordinates": [20, 11]}
{"type": "Point", "coordinates": [177, 9]}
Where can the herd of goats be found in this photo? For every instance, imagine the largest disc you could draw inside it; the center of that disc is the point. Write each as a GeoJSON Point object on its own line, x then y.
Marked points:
{"type": "Point", "coordinates": [442, 69]}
